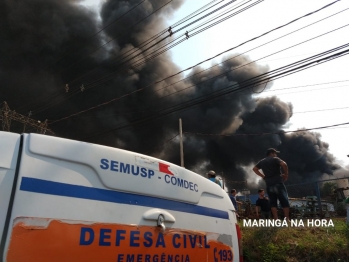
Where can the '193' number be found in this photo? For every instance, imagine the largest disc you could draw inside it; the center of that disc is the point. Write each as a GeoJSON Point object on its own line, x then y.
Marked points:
{"type": "Point", "coordinates": [223, 255]}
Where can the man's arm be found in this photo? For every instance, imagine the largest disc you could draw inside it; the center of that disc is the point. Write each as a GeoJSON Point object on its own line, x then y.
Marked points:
{"type": "Point", "coordinates": [285, 169]}
{"type": "Point", "coordinates": [257, 209]}
{"type": "Point", "coordinates": [256, 170]}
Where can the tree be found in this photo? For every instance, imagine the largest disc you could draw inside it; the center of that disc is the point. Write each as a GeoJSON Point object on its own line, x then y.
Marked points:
{"type": "Point", "coordinates": [327, 189]}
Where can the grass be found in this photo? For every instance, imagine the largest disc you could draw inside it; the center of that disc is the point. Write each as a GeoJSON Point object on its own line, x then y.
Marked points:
{"type": "Point", "coordinates": [291, 244]}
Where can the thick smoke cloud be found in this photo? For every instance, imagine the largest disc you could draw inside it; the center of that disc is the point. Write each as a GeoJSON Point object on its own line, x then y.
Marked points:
{"type": "Point", "coordinates": [306, 155]}
{"type": "Point", "coordinates": [47, 43]}
{"type": "Point", "coordinates": [34, 34]}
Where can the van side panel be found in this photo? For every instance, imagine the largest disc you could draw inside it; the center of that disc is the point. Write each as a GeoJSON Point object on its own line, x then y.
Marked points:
{"type": "Point", "coordinates": [122, 170]}
{"type": "Point", "coordinates": [9, 145]}
{"type": "Point", "coordinates": [112, 242]}
{"type": "Point", "coordinates": [67, 198]}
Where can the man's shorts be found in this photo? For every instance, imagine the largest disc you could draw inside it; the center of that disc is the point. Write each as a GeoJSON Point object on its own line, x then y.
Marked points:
{"type": "Point", "coordinates": [278, 191]}
{"type": "Point", "coordinates": [265, 214]}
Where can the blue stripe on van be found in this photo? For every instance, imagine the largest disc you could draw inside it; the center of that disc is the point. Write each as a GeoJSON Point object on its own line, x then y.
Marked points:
{"type": "Point", "coordinates": [61, 189]}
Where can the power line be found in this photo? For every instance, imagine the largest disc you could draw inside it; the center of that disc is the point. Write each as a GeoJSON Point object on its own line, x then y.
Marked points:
{"type": "Point", "coordinates": [171, 33]}
{"type": "Point", "coordinates": [167, 141]}
{"type": "Point", "coordinates": [45, 107]}
{"type": "Point", "coordinates": [56, 94]}
{"type": "Point", "coordinates": [217, 94]}
{"type": "Point", "coordinates": [236, 55]}
{"type": "Point", "coordinates": [236, 68]}
{"type": "Point", "coordinates": [320, 110]}
{"type": "Point", "coordinates": [262, 78]}
{"type": "Point", "coordinates": [247, 42]}
{"type": "Point", "coordinates": [184, 38]}
{"type": "Point", "coordinates": [136, 48]}
{"type": "Point", "coordinates": [252, 5]}
{"type": "Point", "coordinates": [97, 82]}
{"type": "Point", "coordinates": [127, 12]}
{"type": "Point", "coordinates": [150, 56]}
{"type": "Point", "coordinates": [269, 133]}
{"type": "Point", "coordinates": [302, 91]}
{"type": "Point", "coordinates": [256, 134]}
{"type": "Point", "coordinates": [141, 89]}
{"type": "Point", "coordinates": [105, 27]}
{"type": "Point", "coordinates": [266, 77]}
{"type": "Point", "coordinates": [102, 46]}
{"type": "Point", "coordinates": [206, 15]}
{"type": "Point", "coordinates": [292, 87]}
{"type": "Point", "coordinates": [146, 42]}
{"type": "Point", "coordinates": [243, 93]}
{"type": "Point", "coordinates": [237, 90]}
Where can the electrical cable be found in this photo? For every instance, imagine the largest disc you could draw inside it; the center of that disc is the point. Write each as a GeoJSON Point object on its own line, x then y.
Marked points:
{"type": "Point", "coordinates": [233, 56]}
{"type": "Point", "coordinates": [102, 46]}
{"type": "Point", "coordinates": [236, 68]}
{"type": "Point", "coordinates": [143, 44]}
{"type": "Point", "coordinates": [239, 67]}
{"type": "Point", "coordinates": [321, 110]}
{"type": "Point", "coordinates": [243, 93]}
{"type": "Point", "coordinates": [140, 89]}
{"type": "Point", "coordinates": [206, 80]}
{"type": "Point", "coordinates": [167, 141]}
{"type": "Point", "coordinates": [320, 9]}
{"type": "Point", "coordinates": [331, 127]}
{"type": "Point", "coordinates": [56, 94]}
{"type": "Point", "coordinates": [87, 87]}
{"type": "Point", "coordinates": [315, 11]}
{"type": "Point", "coordinates": [247, 7]}
{"type": "Point", "coordinates": [243, 85]}
{"type": "Point", "coordinates": [269, 133]}
{"type": "Point", "coordinates": [275, 28]}
{"type": "Point", "coordinates": [147, 58]}
{"type": "Point", "coordinates": [136, 48]}
{"type": "Point", "coordinates": [128, 11]}
{"type": "Point", "coordinates": [310, 90]}
{"type": "Point", "coordinates": [289, 72]}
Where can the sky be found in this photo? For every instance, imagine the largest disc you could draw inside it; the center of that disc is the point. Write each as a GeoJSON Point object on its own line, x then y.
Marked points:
{"type": "Point", "coordinates": [264, 17]}
{"type": "Point", "coordinates": [322, 89]}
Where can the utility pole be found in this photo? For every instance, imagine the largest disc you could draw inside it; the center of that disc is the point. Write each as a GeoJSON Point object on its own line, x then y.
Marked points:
{"type": "Point", "coordinates": [6, 115]}
{"type": "Point", "coordinates": [25, 122]}
{"type": "Point", "coordinates": [181, 142]}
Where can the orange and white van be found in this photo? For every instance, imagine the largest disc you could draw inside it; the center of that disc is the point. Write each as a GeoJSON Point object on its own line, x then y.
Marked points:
{"type": "Point", "coordinates": [64, 200]}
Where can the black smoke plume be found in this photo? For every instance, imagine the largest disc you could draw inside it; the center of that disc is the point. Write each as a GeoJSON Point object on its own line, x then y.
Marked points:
{"type": "Point", "coordinates": [46, 44]}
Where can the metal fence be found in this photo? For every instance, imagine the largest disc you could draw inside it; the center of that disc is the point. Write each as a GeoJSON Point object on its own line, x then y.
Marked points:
{"type": "Point", "coordinates": [323, 199]}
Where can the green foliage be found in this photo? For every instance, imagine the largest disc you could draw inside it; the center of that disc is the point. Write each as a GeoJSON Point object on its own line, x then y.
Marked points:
{"type": "Point", "coordinates": [346, 201]}
{"type": "Point", "coordinates": [291, 244]}
{"type": "Point", "coordinates": [327, 189]}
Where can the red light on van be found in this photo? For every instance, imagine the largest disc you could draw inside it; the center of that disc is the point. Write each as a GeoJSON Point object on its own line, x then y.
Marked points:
{"type": "Point", "coordinates": [238, 231]}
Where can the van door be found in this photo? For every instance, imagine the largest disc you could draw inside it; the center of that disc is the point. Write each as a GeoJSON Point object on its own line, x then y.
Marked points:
{"type": "Point", "coordinates": [9, 148]}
